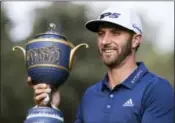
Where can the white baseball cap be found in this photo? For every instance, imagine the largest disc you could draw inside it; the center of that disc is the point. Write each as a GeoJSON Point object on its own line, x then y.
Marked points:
{"type": "Point", "coordinates": [124, 17]}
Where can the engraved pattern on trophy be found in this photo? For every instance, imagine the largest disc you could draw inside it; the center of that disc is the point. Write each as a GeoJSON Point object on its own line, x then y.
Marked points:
{"type": "Point", "coordinates": [49, 55]}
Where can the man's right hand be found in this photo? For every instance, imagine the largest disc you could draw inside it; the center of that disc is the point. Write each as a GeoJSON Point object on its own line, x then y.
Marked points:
{"type": "Point", "coordinates": [41, 91]}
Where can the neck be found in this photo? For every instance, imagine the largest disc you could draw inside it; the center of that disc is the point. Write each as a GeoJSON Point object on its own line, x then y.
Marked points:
{"type": "Point", "coordinates": [118, 74]}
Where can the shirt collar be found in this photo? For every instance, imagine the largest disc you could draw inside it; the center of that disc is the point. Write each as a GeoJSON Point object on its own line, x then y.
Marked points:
{"type": "Point", "coordinates": [132, 80]}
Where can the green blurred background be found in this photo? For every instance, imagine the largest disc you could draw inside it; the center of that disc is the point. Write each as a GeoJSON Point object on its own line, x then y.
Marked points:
{"type": "Point", "coordinates": [17, 97]}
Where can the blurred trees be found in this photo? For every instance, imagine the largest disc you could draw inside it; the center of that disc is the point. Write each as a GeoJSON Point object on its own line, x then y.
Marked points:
{"type": "Point", "coordinates": [12, 75]}
{"type": "Point", "coordinates": [17, 97]}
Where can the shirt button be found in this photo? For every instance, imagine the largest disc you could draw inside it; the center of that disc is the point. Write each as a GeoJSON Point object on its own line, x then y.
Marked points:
{"type": "Point", "coordinates": [108, 106]}
{"type": "Point", "coordinates": [111, 96]}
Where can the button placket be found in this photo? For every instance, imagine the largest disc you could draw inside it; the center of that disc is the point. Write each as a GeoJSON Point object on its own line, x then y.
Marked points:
{"type": "Point", "coordinates": [108, 106]}
{"type": "Point", "coordinates": [109, 103]}
{"type": "Point", "coordinates": [111, 95]}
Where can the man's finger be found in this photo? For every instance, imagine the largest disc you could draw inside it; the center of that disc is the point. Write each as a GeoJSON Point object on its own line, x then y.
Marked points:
{"type": "Point", "coordinates": [39, 91]}
{"type": "Point", "coordinates": [29, 81]}
{"type": "Point", "coordinates": [41, 86]}
{"type": "Point", "coordinates": [40, 97]}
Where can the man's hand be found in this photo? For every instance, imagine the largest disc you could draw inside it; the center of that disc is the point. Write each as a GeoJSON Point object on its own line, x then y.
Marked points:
{"type": "Point", "coordinates": [41, 93]}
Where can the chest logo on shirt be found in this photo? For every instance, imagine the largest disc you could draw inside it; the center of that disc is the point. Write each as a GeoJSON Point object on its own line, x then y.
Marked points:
{"type": "Point", "coordinates": [128, 103]}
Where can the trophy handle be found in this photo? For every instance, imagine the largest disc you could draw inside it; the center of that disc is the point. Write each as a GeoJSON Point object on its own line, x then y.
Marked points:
{"type": "Point", "coordinates": [72, 54]}
{"type": "Point", "coordinates": [22, 49]}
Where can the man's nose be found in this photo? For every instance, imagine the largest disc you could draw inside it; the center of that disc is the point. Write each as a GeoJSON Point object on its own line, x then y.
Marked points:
{"type": "Point", "coordinates": [106, 39]}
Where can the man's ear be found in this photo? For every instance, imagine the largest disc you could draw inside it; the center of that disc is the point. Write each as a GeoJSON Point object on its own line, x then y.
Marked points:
{"type": "Point", "coordinates": [136, 40]}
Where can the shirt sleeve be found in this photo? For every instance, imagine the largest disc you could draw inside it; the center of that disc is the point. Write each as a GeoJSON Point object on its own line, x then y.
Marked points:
{"type": "Point", "coordinates": [158, 103]}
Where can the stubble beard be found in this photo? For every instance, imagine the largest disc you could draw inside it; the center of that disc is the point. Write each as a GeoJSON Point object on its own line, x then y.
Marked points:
{"type": "Point", "coordinates": [116, 58]}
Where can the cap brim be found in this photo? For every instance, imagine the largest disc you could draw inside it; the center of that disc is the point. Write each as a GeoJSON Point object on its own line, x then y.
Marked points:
{"type": "Point", "coordinates": [95, 24]}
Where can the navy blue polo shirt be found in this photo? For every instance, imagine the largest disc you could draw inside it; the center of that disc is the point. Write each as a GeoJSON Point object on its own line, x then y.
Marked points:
{"type": "Point", "coordinates": [142, 98]}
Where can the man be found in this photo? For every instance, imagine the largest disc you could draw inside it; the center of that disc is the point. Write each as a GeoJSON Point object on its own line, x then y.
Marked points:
{"type": "Point", "coordinates": [129, 93]}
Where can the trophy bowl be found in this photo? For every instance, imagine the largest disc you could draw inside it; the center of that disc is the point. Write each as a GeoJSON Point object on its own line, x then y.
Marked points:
{"type": "Point", "coordinates": [49, 58]}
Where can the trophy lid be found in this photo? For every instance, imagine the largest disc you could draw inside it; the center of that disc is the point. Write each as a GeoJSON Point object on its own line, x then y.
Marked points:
{"type": "Point", "coordinates": [51, 33]}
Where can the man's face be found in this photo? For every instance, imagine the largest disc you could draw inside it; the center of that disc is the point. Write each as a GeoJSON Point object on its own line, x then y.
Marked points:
{"type": "Point", "coordinates": [114, 43]}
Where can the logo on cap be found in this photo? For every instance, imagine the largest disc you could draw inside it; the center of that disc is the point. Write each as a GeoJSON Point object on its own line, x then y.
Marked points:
{"type": "Point", "coordinates": [136, 27]}
{"type": "Point", "coordinates": [110, 15]}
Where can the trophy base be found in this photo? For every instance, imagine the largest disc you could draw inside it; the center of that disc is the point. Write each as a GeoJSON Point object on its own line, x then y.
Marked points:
{"type": "Point", "coordinates": [44, 115]}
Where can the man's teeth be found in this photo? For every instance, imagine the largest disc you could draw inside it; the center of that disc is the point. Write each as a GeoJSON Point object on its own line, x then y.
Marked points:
{"type": "Point", "coordinates": [108, 51]}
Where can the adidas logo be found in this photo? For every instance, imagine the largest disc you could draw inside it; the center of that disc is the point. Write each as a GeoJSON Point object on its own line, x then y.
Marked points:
{"type": "Point", "coordinates": [128, 103]}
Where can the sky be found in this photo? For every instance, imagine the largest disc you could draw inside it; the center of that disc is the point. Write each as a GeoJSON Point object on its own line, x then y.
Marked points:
{"type": "Point", "coordinates": [157, 12]}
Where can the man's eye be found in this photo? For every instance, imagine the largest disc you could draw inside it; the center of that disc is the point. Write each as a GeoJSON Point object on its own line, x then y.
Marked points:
{"type": "Point", "coordinates": [116, 33]}
{"type": "Point", "coordinates": [100, 33]}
